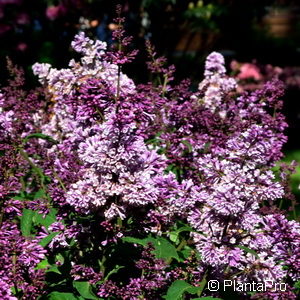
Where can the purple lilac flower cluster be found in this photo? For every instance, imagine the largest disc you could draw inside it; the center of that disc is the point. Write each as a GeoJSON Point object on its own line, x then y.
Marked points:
{"type": "Point", "coordinates": [19, 257]}
{"type": "Point", "coordinates": [232, 158]}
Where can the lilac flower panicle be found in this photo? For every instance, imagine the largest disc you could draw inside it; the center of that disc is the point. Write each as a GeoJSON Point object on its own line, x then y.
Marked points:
{"type": "Point", "coordinates": [216, 85]}
{"type": "Point", "coordinates": [214, 64]}
{"type": "Point", "coordinates": [118, 166]}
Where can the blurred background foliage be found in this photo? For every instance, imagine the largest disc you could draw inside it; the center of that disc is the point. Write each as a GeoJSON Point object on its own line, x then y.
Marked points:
{"type": "Point", "coordinates": [261, 32]}
{"type": "Point", "coordinates": [185, 31]}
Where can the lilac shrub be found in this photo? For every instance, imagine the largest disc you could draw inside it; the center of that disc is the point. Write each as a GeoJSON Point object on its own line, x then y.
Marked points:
{"type": "Point", "coordinates": [114, 190]}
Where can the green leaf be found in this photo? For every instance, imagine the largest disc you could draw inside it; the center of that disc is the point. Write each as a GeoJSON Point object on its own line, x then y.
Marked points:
{"type": "Point", "coordinates": [53, 212]}
{"type": "Point", "coordinates": [170, 168]}
{"type": "Point", "coordinates": [174, 235]}
{"type": "Point", "coordinates": [39, 194]}
{"type": "Point", "coordinates": [186, 252]}
{"type": "Point", "coordinates": [44, 220]}
{"type": "Point", "coordinates": [62, 296]}
{"type": "Point", "coordinates": [26, 221]}
{"type": "Point", "coordinates": [206, 147]}
{"type": "Point", "coordinates": [60, 259]}
{"type": "Point", "coordinates": [44, 264]}
{"type": "Point", "coordinates": [129, 221]}
{"type": "Point", "coordinates": [46, 240]}
{"type": "Point", "coordinates": [178, 288]}
{"type": "Point", "coordinates": [84, 289]}
{"type": "Point", "coordinates": [251, 251]}
{"type": "Point", "coordinates": [202, 285]}
{"type": "Point", "coordinates": [297, 285]}
{"type": "Point", "coordinates": [19, 197]}
{"type": "Point", "coordinates": [163, 248]}
{"type": "Point", "coordinates": [39, 136]}
{"type": "Point", "coordinates": [133, 240]}
{"type": "Point", "coordinates": [54, 269]}
{"type": "Point", "coordinates": [185, 228]}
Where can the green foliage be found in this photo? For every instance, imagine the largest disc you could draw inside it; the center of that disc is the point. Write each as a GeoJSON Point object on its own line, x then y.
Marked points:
{"type": "Point", "coordinates": [154, 140]}
{"type": "Point", "coordinates": [174, 235]}
{"type": "Point", "coordinates": [46, 220]}
{"type": "Point", "coordinates": [23, 196]}
{"type": "Point", "coordinates": [46, 240]}
{"type": "Point", "coordinates": [163, 248]}
{"type": "Point", "coordinates": [177, 170]}
{"type": "Point", "coordinates": [179, 288]}
{"type": "Point", "coordinates": [44, 264]}
{"type": "Point", "coordinates": [113, 271]}
{"type": "Point", "coordinates": [84, 289]}
{"type": "Point", "coordinates": [26, 221]}
{"type": "Point", "coordinates": [30, 218]}
{"type": "Point", "coordinates": [186, 252]}
{"type": "Point", "coordinates": [297, 285]}
{"type": "Point", "coordinates": [203, 16]}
